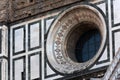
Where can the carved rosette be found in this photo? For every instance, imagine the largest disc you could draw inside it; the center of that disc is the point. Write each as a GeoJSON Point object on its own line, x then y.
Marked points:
{"type": "Point", "coordinates": [56, 41]}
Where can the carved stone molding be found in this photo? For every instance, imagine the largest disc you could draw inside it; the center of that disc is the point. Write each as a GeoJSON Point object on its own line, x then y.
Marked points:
{"type": "Point", "coordinates": [57, 38]}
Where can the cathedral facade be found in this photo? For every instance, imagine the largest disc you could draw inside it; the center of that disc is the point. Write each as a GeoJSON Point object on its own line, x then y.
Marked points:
{"type": "Point", "coordinates": [59, 39]}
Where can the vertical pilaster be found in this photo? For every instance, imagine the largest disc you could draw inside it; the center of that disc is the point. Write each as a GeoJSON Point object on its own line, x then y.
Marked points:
{"type": "Point", "coordinates": [3, 53]}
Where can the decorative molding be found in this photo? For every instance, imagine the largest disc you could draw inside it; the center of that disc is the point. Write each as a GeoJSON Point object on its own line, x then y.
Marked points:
{"type": "Point", "coordinates": [63, 25]}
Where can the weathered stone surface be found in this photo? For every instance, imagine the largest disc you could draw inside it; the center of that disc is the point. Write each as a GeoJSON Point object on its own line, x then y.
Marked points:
{"type": "Point", "coordinates": [38, 7]}
{"type": "Point", "coordinates": [3, 15]}
{"type": "Point", "coordinates": [11, 10]}
{"type": "Point", "coordinates": [3, 10]}
{"type": "Point", "coordinates": [3, 4]}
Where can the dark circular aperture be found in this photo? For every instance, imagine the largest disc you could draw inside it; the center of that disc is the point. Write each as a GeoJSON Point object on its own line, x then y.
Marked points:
{"type": "Point", "coordinates": [87, 45]}
{"type": "Point", "coordinates": [83, 42]}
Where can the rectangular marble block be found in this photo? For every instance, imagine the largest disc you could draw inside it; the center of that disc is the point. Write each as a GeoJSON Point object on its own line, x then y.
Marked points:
{"type": "Point", "coordinates": [116, 11]}
{"type": "Point", "coordinates": [34, 68]}
{"type": "Point", "coordinates": [18, 69]}
{"type": "Point", "coordinates": [34, 35]}
{"type": "Point", "coordinates": [19, 39]}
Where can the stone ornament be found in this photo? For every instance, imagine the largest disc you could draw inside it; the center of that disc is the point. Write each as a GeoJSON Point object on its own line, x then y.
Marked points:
{"type": "Point", "coordinates": [57, 40]}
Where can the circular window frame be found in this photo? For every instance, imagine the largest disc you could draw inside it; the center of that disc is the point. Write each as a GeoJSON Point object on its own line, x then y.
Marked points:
{"type": "Point", "coordinates": [55, 47]}
{"type": "Point", "coordinates": [79, 30]}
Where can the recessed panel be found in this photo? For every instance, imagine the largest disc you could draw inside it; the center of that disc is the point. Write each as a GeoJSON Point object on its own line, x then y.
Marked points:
{"type": "Point", "coordinates": [116, 41]}
{"type": "Point", "coordinates": [19, 69]}
{"type": "Point", "coordinates": [18, 40]}
{"type": "Point", "coordinates": [116, 11]}
{"type": "Point", "coordinates": [34, 66]}
{"type": "Point", "coordinates": [34, 35]}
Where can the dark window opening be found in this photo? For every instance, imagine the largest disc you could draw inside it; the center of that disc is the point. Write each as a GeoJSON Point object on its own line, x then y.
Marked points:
{"type": "Point", "coordinates": [87, 45]}
{"type": "Point", "coordinates": [31, 0]}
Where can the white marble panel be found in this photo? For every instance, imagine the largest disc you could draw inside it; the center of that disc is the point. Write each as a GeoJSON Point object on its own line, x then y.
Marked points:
{"type": "Point", "coordinates": [35, 67]}
{"type": "Point", "coordinates": [102, 7]}
{"type": "Point", "coordinates": [49, 70]}
{"type": "Point", "coordinates": [34, 35]}
{"type": "Point", "coordinates": [48, 24]}
{"type": "Point", "coordinates": [117, 41]}
{"type": "Point", "coordinates": [116, 11]}
{"type": "Point", "coordinates": [19, 40]}
{"type": "Point", "coordinates": [19, 68]}
{"type": "Point", "coordinates": [104, 55]}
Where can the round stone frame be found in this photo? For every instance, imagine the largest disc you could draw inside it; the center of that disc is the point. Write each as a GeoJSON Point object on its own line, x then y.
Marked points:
{"type": "Point", "coordinates": [55, 45]}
